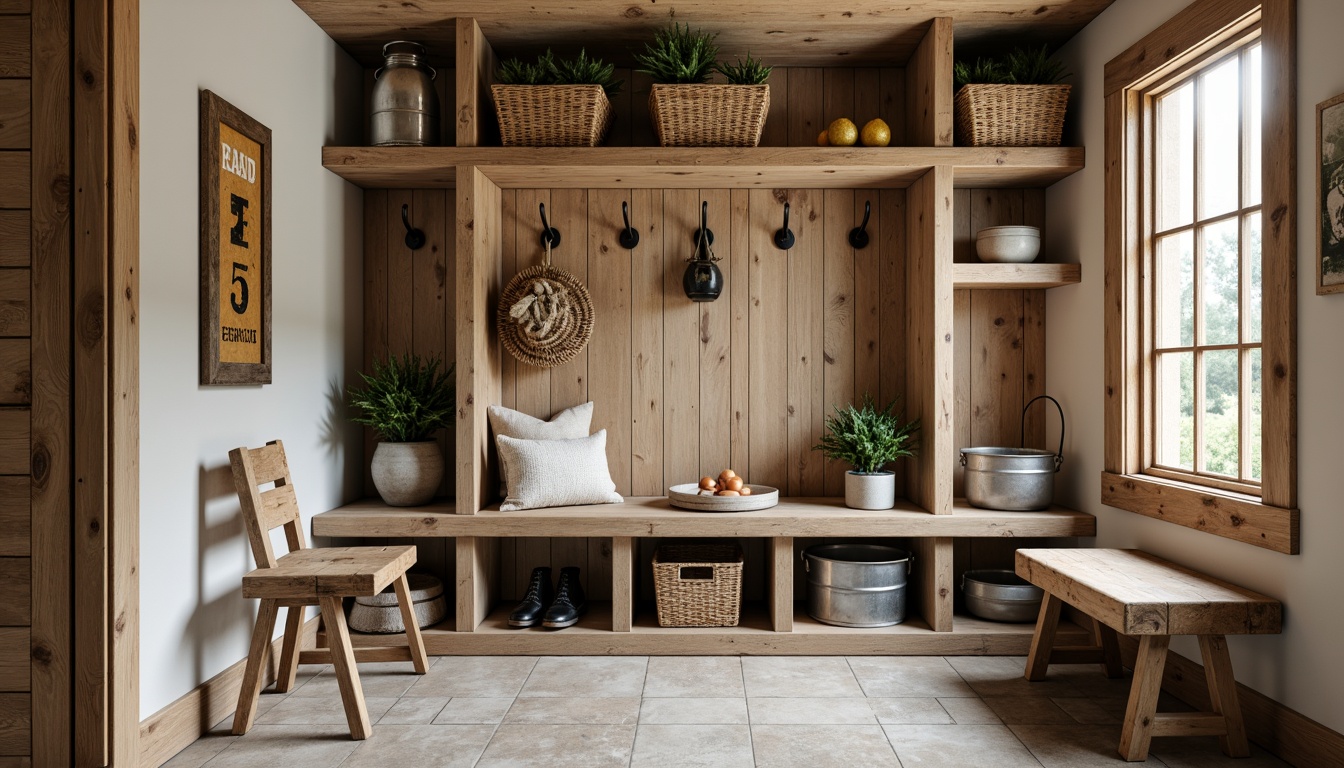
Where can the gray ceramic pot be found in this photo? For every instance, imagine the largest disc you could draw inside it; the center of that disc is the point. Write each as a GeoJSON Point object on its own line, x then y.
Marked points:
{"type": "Point", "coordinates": [407, 474]}
{"type": "Point", "coordinates": [870, 491]}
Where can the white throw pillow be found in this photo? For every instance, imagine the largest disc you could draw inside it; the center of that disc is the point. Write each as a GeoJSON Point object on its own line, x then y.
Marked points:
{"type": "Point", "coordinates": [556, 473]}
{"type": "Point", "coordinates": [565, 425]}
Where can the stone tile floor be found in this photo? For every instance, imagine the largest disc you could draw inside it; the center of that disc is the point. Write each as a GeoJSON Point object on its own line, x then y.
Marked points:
{"type": "Point", "coordinates": [930, 712]}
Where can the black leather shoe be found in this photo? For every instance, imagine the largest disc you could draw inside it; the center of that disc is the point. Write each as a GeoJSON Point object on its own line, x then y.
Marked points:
{"type": "Point", "coordinates": [539, 595]}
{"type": "Point", "coordinates": [569, 603]}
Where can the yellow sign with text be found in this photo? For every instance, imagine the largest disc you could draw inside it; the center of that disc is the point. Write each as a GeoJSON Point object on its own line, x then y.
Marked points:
{"type": "Point", "coordinates": [240, 245]}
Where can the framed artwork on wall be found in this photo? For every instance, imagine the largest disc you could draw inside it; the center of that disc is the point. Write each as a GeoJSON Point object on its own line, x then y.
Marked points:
{"type": "Point", "coordinates": [1330, 196]}
{"type": "Point", "coordinates": [235, 245]}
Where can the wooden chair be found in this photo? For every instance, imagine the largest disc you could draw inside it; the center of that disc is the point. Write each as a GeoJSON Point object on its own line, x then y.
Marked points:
{"type": "Point", "coordinates": [304, 577]}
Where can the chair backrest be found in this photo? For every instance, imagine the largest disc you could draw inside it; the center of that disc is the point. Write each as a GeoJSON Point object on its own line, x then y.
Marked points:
{"type": "Point", "coordinates": [266, 510]}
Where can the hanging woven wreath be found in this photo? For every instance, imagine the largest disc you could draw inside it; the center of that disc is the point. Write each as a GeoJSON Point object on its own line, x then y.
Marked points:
{"type": "Point", "coordinates": [545, 315]}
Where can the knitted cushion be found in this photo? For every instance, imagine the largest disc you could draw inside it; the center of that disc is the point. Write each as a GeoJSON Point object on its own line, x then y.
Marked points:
{"type": "Point", "coordinates": [565, 425]}
{"type": "Point", "coordinates": [556, 473]}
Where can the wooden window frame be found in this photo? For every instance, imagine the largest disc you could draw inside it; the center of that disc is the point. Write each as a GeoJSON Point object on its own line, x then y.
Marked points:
{"type": "Point", "coordinates": [1270, 519]}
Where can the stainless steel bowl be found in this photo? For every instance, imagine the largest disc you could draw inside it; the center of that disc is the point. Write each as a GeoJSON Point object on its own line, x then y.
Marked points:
{"type": "Point", "coordinates": [999, 595]}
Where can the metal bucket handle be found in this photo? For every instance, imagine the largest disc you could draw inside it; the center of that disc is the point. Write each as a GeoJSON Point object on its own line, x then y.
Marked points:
{"type": "Point", "coordinates": [1059, 454]}
{"type": "Point", "coordinates": [807, 567]}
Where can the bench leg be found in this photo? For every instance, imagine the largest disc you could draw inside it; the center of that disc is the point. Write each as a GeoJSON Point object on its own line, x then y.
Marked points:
{"type": "Point", "coordinates": [347, 674]}
{"type": "Point", "coordinates": [1141, 713]}
{"type": "Point", "coordinates": [253, 675]}
{"type": "Point", "coordinates": [1110, 649]}
{"type": "Point", "coordinates": [1223, 694]}
{"type": "Point", "coordinates": [1043, 642]}
{"type": "Point", "coordinates": [289, 650]}
{"type": "Point", "coordinates": [413, 639]}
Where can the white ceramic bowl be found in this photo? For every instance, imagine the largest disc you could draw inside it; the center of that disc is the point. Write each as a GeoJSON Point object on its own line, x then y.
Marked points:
{"type": "Point", "coordinates": [1012, 245]}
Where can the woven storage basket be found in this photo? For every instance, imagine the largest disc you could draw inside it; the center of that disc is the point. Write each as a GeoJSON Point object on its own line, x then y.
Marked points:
{"type": "Point", "coordinates": [552, 115]}
{"type": "Point", "coordinates": [1011, 115]}
{"type": "Point", "coordinates": [709, 115]}
{"type": "Point", "coordinates": [545, 316]}
{"type": "Point", "coordinates": [698, 585]}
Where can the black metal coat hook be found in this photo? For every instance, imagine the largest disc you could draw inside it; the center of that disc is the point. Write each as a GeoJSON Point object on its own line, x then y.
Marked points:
{"type": "Point", "coordinates": [629, 235]}
{"type": "Point", "coordinates": [548, 233]}
{"type": "Point", "coordinates": [704, 226]}
{"type": "Point", "coordinates": [784, 235]}
{"type": "Point", "coordinates": [858, 236]}
{"type": "Point", "coordinates": [415, 238]}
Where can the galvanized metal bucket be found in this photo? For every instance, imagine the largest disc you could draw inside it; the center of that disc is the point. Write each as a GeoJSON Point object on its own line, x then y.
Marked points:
{"type": "Point", "coordinates": [856, 585]}
{"type": "Point", "coordinates": [1001, 595]}
{"type": "Point", "coordinates": [1013, 479]}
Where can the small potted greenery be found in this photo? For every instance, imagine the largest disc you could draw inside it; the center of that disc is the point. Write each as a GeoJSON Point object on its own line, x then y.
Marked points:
{"type": "Point", "coordinates": [405, 400]}
{"type": "Point", "coordinates": [689, 111]}
{"type": "Point", "coordinates": [868, 438]}
{"type": "Point", "coordinates": [555, 102]}
{"type": "Point", "coordinates": [1013, 101]}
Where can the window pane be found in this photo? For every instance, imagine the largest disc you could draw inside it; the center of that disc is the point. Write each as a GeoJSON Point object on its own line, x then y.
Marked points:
{"type": "Point", "coordinates": [1253, 429]}
{"type": "Point", "coordinates": [1175, 159]}
{"type": "Point", "coordinates": [1255, 295]}
{"type": "Point", "coordinates": [1174, 399]}
{"type": "Point", "coordinates": [1174, 303]}
{"type": "Point", "coordinates": [1254, 139]}
{"type": "Point", "coordinates": [1222, 412]}
{"type": "Point", "coordinates": [1219, 285]}
{"type": "Point", "coordinates": [1219, 139]}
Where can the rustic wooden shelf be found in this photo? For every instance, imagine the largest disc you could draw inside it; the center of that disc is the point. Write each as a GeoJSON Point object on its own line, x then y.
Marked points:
{"type": "Point", "coordinates": [977, 275]}
{"type": "Point", "coordinates": [693, 168]}
{"type": "Point", "coordinates": [654, 516]}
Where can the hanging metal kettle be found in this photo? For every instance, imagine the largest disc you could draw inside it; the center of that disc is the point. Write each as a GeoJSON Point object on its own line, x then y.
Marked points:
{"type": "Point", "coordinates": [703, 281]}
{"type": "Point", "coordinates": [405, 105]}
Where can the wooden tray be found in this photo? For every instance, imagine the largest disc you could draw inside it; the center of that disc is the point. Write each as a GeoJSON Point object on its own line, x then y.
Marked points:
{"type": "Point", "coordinates": [687, 496]}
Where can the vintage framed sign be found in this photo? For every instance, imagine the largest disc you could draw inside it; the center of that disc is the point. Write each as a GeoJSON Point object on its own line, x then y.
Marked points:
{"type": "Point", "coordinates": [235, 245]}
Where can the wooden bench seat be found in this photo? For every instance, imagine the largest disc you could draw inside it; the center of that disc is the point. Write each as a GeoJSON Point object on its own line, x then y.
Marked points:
{"type": "Point", "coordinates": [1135, 593]}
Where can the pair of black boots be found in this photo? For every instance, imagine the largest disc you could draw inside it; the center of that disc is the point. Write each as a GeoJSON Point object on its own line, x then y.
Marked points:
{"type": "Point", "coordinates": [551, 608]}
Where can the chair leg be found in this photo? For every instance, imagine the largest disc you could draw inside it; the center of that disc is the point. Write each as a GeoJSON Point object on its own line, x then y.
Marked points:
{"type": "Point", "coordinates": [1141, 713]}
{"type": "Point", "coordinates": [1043, 642]}
{"type": "Point", "coordinates": [1110, 650]}
{"type": "Point", "coordinates": [413, 639]}
{"type": "Point", "coordinates": [347, 674]}
{"type": "Point", "coordinates": [1223, 694]}
{"type": "Point", "coordinates": [253, 674]}
{"type": "Point", "coordinates": [289, 649]}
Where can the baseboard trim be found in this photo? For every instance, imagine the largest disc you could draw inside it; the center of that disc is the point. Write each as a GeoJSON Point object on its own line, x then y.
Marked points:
{"type": "Point", "coordinates": [1288, 734]}
{"type": "Point", "coordinates": [173, 728]}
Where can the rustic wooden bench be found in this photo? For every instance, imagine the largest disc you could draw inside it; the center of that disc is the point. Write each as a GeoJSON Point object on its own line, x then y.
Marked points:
{"type": "Point", "coordinates": [1135, 593]}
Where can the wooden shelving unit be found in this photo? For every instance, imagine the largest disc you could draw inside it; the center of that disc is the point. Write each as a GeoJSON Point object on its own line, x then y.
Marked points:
{"type": "Point", "coordinates": [1008, 276]}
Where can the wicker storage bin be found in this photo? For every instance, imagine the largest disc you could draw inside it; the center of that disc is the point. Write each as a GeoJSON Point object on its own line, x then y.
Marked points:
{"type": "Point", "coordinates": [709, 115]}
{"type": "Point", "coordinates": [1011, 115]}
{"type": "Point", "coordinates": [552, 115]}
{"type": "Point", "coordinates": [698, 585]}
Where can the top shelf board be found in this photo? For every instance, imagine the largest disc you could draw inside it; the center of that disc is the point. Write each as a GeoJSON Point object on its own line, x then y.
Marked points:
{"type": "Point", "coordinates": [701, 167]}
{"type": "Point", "coordinates": [655, 516]}
{"type": "Point", "coordinates": [780, 32]}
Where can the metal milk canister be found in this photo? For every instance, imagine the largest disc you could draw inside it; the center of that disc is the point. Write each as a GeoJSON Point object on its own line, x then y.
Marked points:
{"type": "Point", "coordinates": [405, 106]}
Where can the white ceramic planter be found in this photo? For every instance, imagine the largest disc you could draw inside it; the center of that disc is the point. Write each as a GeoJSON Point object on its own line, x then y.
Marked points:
{"type": "Point", "coordinates": [870, 491]}
{"type": "Point", "coordinates": [407, 474]}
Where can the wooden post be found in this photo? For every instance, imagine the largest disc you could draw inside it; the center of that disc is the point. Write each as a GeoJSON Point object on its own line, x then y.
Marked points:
{"type": "Point", "coordinates": [1047, 623]}
{"type": "Point", "coordinates": [928, 88]}
{"type": "Point", "coordinates": [622, 583]}
{"type": "Point", "coordinates": [474, 114]}
{"type": "Point", "coordinates": [1141, 712]}
{"type": "Point", "coordinates": [933, 574]}
{"type": "Point", "coordinates": [781, 583]}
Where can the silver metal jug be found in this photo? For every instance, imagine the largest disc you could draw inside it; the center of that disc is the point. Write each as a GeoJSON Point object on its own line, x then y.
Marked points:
{"type": "Point", "coordinates": [405, 106]}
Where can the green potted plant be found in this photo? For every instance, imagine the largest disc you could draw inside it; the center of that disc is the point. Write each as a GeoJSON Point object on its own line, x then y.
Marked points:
{"type": "Point", "coordinates": [1013, 101]}
{"type": "Point", "coordinates": [689, 111]}
{"type": "Point", "coordinates": [555, 102]}
{"type": "Point", "coordinates": [868, 438]}
{"type": "Point", "coordinates": [405, 400]}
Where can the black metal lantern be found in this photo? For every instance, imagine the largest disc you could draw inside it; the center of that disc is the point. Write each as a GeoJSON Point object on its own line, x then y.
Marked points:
{"type": "Point", "coordinates": [703, 280]}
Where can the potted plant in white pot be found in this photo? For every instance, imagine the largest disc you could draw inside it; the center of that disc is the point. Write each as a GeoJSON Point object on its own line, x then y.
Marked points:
{"type": "Point", "coordinates": [405, 400]}
{"type": "Point", "coordinates": [868, 438]}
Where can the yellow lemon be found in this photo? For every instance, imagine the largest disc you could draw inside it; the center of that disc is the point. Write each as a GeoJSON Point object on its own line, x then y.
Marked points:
{"type": "Point", "coordinates": [875, 134]}
{"type": "Point", "coordinates": [823, 139]}
{"type": "Point", "coordinates": [843, 133]}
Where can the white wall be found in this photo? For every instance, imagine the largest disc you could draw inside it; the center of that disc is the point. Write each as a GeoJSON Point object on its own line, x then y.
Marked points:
{"type": "Point", "coordinates": [269, 60]}
{"type": "Point", "coordinates": [1299, 668]}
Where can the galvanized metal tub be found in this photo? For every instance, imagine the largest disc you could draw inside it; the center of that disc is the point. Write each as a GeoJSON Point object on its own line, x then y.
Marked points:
{"type": "Point", "coordinates": [856, 585]}
{"type": "Point", "coordinates": [1013, 479]}
{"type": "Point", "coordinates": [999, 595]}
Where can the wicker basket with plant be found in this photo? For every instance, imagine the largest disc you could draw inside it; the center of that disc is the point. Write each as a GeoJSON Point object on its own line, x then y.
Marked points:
{"type": "Point", "coordinates": [555, 102]}
{"type": "Point", "coordinates": [687, 110]}
{"type": "Point", "coordinates": [1013, 101]}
